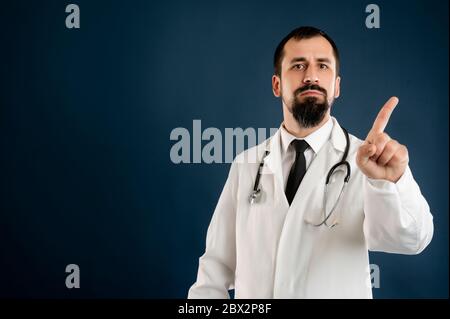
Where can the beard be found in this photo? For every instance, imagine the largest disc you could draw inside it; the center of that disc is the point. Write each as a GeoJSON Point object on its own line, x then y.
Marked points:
{"type": "Point", "coordinates": [309, 111]}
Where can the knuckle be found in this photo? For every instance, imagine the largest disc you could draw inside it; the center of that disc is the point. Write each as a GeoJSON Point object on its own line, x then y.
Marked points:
{"type": "Point", "coordinates": [382, 138]}
{"type": "Point", "coordinates": [383, 115]}
{"type": "Point", "coordinates": [392, 146]}
{"type": "Point", "coordinates": [401, 154]}
{"type": "Point", "coordinates": [389, 147]}
{"type": "Point", "coordinates": [404, 150]}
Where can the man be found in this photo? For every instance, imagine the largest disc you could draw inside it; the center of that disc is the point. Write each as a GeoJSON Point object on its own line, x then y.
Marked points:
{"type": "Point", "coordinates": [286, 244]}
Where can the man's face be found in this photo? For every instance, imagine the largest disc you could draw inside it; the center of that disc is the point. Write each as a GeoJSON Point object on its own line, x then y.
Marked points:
{"type": "Point", "coordinates": [308, 84]}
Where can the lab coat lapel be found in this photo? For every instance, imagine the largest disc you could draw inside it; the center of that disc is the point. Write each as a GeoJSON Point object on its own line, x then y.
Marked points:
{"type": "Point", "coordinates": [273, 164]}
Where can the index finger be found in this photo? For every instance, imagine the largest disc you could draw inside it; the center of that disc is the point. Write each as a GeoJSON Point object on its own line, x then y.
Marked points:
{"type": "Point", "coordinates": [383, 116]}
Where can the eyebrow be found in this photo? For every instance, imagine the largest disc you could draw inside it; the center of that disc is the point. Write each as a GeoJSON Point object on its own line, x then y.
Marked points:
{"type": "Point", "coordinates": [303, 59]}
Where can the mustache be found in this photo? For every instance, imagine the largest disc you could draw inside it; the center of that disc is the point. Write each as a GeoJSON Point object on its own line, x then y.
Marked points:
{"type": "Point", "coordinates": [310, 87]}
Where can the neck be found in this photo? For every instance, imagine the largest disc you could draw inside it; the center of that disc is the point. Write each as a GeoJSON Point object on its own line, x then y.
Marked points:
{"type": "Point", "coordinates": [294, 128]}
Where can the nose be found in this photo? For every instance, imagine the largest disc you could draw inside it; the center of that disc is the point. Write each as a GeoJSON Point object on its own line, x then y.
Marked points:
{"type": "Point", "coordinates": [310, 77]}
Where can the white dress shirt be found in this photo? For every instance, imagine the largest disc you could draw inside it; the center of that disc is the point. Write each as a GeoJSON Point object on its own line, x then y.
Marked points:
{"type": "Point", "coordinates": [315, 141]}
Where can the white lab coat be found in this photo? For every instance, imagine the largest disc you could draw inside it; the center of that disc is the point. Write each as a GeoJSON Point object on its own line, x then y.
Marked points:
{"type": "Point", "coordinates": [270, 250]}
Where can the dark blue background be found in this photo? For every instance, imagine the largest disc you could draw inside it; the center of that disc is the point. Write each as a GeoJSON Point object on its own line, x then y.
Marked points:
{"type": "Point", "coordinates": [86, 115]}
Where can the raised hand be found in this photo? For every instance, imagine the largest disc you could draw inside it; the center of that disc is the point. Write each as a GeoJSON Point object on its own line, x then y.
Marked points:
{"type": "Point", "coordinates": [381, 157]}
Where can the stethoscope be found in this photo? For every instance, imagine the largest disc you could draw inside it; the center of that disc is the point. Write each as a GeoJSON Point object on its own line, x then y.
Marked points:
{"type": "Point", "coordinates": [255, 195]}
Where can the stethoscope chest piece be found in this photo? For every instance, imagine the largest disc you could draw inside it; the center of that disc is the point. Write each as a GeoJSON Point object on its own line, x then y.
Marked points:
{"type": "Point", "coordinates": [255, 196]}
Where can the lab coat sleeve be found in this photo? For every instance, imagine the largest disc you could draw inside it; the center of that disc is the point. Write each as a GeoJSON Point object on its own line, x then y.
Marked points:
{"type": "Point", "coordinates": [217, 265]}
{"type": "Point", "coordinates": [397, 216]}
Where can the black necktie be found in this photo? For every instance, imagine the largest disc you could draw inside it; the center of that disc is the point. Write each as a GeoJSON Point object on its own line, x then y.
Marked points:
{"type": "Point", "coordinates": [298, 169]}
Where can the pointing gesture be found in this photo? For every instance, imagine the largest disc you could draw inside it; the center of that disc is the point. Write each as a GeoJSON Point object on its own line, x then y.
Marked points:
{"type": "Point", "coordinates": [381, 157]}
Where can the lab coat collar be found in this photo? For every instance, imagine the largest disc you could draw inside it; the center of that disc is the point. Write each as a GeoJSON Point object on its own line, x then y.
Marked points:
{"type": "Point", "coordinates": [315, 140]}
{"type": "Point", "coordinates": [337, 136]}
{"type": "Point", "coordinates": [274, 146]}
{"type": "Point", "coordinates": [273, 159]}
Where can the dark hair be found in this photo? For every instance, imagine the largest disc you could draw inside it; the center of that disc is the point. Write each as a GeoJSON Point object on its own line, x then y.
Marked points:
{"type": "Point", "coordinates": [298, 34]}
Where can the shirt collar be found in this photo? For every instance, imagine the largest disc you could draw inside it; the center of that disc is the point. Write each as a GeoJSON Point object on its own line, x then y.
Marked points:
{"type": "Point", "coordinates": [315, 140]}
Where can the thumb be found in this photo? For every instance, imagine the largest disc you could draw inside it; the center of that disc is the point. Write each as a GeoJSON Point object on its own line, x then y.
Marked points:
{"type": "Point", "coordinates": [365, 151]}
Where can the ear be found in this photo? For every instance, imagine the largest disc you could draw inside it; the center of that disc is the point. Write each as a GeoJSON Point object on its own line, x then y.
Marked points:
{"type": "Point", "coordinates": [276, 85]}
{"type": "Point", "coordinates": [337, 87]}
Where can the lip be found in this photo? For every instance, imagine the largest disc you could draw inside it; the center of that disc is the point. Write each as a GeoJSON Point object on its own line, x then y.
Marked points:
{"type": "Point", "coordinates": [311, 92]}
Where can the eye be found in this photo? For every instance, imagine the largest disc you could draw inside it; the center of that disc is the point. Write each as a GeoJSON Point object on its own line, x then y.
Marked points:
{"type": "Point", "coordinates": [298, 66]}
{"type": "Point", "coordinates": [323, 66]}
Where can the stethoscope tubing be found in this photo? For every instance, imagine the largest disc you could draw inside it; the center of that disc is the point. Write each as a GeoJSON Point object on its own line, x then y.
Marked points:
{"type": "Point", "coordinates": [256, 192]}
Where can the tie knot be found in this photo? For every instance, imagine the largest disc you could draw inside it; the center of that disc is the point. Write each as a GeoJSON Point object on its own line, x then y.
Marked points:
{"type": "Point", "coordinates": [300, 146]}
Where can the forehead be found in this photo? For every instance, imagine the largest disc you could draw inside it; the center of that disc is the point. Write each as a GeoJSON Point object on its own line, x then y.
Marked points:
{"type": "Point", "coordinates": [316, 47]}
